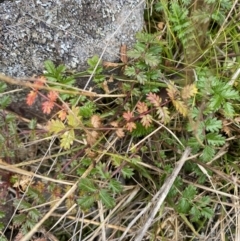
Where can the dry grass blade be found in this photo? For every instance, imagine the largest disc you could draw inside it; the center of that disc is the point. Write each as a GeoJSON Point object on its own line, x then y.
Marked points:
{"type": "Point", "coordinates": [159, 197]}
{"type": "Point", "coordinates": [39, 224]}
{"type": "Point", "coordinates": [237, 211]}
{"type": "Point", "coordinates": [75, 91]}
{"type": "Point", "coordinates": [67, 194]}
{"type": "Point", "coordinates": [14, 169]}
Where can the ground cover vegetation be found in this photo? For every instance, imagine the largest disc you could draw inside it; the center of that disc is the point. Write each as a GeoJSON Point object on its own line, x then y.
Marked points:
{"type": "Point", "coordinates": [106, 164]}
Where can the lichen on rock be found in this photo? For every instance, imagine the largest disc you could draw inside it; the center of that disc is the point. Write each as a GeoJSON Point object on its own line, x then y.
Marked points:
{"type": "Point", "coordinates": [65, 31]}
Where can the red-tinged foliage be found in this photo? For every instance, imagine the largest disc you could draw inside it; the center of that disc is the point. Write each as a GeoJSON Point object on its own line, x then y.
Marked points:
{"type": "Point", "coordinates": [40, 82]}
{"type": "Point", "coordinates": [172, 91]}
{"type": "Point", "coordinates": [141, 107]}
{"type": "Point", "coordinates": [114, 124]}
{"type": "Point", "coordinates": [52, 96]}
{"type": "Point", "coordinates": [92, 137]}
{"type": "Point", "coordinates": [62, 114]}
{"type": "Point", "coordinates": [128, 115]}
{"type": "Point", "coordinates": [146, 120]}
{"type": "Point", "coordinates": [96, 121]}
{"type": "Point", "coordinates": [31, 97]}
{"type": "Point", "coordinates": [120, 132]}
{"type": "Point", "coordinates": [130, 126]}
{"type": "Point", "coordinates": [154, 99]}
{"type": "Point", "coordinates": [47, 107]}
{"type": "Point", "coordinates": [188, 91]}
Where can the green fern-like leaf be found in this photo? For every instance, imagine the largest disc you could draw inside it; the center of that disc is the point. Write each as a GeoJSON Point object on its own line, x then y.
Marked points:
{"type": "Point", "coordinates": [101, 167]}
{"type": "Point", "coordinates": [181, 24]}
{"type": "Point", "coordinates": [228, 110]}
{"type": "Point", "coordinates": [189, 192]}
{"type": "Point", "coordinates": [183, 205]}
{"type": "Point", "coordinates": [195, 213]}
{"type": "Point", "coordinates": [142, 78]}
{"type": "Point", "coordinates": [215, 139]}
{"type": "Point", "coordinates": [177, 184]}
{"type": "Point", "coordinates": [139, 47]}
{"type": "Point", "coordinates": [225, 5]}
{"type": "Point", "coordinates": [67, 139]}
{"type": "Point", "coordinates": [205, 200]}
{"type": "Point", "coordinates": [19, 219]}
{"type": "Point", "coordinates": [155, 50]}
{"type": "Point", "coordinates": [57, 74]}
{"type": "Point", "coordinates": [5, 101]}
{"type": "Point", "coordinates": [87, 185]}
{"type": "Point", "coordinates": [29, 224]}
{"type": "Point", "coordinates": [105, 197]}
{"type": "Point", "coordinates": [145, 37]}
{"type": "Point", "coordinates": [141, 65]}
{"type": "Point", "coordinates": [130, 71]}
{"type": "Point", "coordinates": [154, 74]}
{"type": "Point", "coordinates": [216, 102]}
{"type": "Point", "coordinates": [87, 110]}
{"type": "Point", "coordinates": [141, 130]}
{"type": "Point", "coordinates": [151, 60]}
{"type": "Point", "coordinates": [213, 124]}
{"type": "Point", "coordinates": [22, 205]}
{"type": "Point", "coordinates": [69, 81]}
{"type": "Point", "coordinates": [207, 212]}
{"type": "Point", "coordinates": [99, 78]}
{"type": "Point", "coordinates": [222, 93]}
{"type": "Point", "coordinates": [92, 62]}
{"type": "Point", "coordinates": [49, 66]}
{"type": "Point", "coordinates": [159, 7]}
{"type": "Point", "coordinates": [10, 118]}
{"type": "Point", "coordinates": [208, 153]}
{"type": "Point", "coordinates": [56, 126]}
{"type": "Point", "coordinates": [24, 229]}
{"type": "Point", "coordinates": [115, 186]}
{"type": "Point", "coordinates": [149, 88]}
{"type": "Point", "coordinates": [86, 202]}
{"type": "Point", "coordinates": [86, 162]}
{"type": "Point", "coordinates": [225, 90]}
{"type": "Point", "coordinates": [34, 214]}
{"type": "Point", "coordinates": [127, 172]}
{"type": "Point", "coordinates": [36, 195]}
{"type": "Point", "coordinates": [3, 87]}
{"type": "Point", "coordinates": [137, 52]}
{"type": "Point", "coordinates": [60, 69]}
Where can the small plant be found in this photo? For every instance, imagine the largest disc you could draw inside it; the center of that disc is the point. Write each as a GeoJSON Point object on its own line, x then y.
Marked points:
{"type": "Point", "coordinates": [147, 56]}
{"type": "Point", "coordinates": [9, 138]}
{"type": "Point", "coordinates": [215, 96]}
{"type": "Point", "coordinates": [83, 123]}
{"type": "Point", "coordinates": [26, 219]}
{"type": "Point", "coordinates": [188, 204]}
{"type": "Point", "coordinates": [95, 68]}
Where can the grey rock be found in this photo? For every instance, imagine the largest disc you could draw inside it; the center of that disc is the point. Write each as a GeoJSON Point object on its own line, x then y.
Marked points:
{"type": "Point", "coordinates": [65, 31]}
